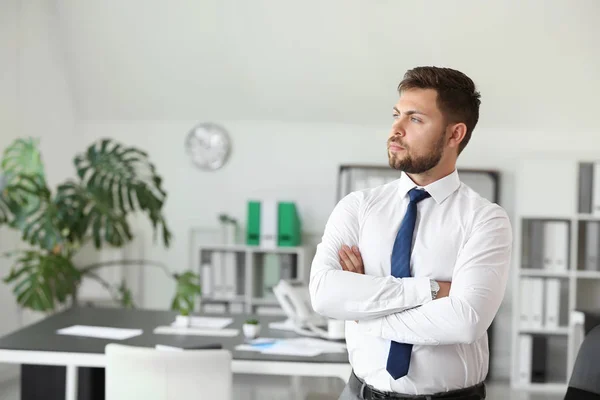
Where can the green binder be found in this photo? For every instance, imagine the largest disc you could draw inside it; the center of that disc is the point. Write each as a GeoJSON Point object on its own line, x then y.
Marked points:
{"type": "Point", "coordinates": [289, 229]}
{"type": "Point", "coordinates": [253, 224]}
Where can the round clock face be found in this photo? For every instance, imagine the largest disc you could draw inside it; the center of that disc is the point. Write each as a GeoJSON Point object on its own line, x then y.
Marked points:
{"type": "Point", "coordinates": [208, 145]}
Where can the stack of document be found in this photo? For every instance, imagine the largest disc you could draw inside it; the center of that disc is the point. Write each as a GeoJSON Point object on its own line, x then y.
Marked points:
{"type": "Point", "coordinates": [201, 322]}
{"type": "Point", "coordinates": [301, 347]}
{"type": "Point", "coordinates": [200, 326]}
{"type": "Point", "coordinates": [100, 332]}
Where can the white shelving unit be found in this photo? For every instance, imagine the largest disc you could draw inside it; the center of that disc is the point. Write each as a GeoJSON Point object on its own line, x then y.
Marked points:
{"type": "Point", "coordinates": [251, 296]}
{"type": "Point", "coordinates": [548, 190]}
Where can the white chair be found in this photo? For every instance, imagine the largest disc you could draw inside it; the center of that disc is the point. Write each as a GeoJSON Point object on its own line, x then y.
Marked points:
{"type": "Point", "coordinates": [150, 374]}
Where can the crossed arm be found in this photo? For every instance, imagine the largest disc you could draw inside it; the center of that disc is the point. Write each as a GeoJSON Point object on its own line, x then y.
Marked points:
{"type": "Point", "coordinates": [401, 309]}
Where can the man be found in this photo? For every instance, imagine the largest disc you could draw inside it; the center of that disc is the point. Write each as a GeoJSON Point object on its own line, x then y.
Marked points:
{"type": "Point", "coordinates": [417, 267]}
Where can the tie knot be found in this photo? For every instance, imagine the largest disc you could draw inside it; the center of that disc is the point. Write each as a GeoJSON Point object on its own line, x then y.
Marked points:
{"type": "Point", "coordinates": [416, 195]}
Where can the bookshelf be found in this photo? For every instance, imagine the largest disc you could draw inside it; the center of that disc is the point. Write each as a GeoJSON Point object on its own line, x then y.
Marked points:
{"type": "Point", "coordinates": [557, 248]}
{"type": "Point", "coordinates": [238, 278]}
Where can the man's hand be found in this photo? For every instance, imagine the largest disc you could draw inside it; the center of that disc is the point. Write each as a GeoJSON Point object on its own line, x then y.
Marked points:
{"type": "Point", "coordinates": [351, 260]}
{"type": "Point", "coordinates": [444, 289]}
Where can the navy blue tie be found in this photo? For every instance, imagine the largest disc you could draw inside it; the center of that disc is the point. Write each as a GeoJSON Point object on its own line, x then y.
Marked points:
{"type": "Point", "coordinates": [399, 356]}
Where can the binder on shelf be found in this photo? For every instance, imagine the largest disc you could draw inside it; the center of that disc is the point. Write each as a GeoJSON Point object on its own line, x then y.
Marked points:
{"type": "Point", "coordinates": [586, 178]}
{"type": "Point", "coordinates": [524, 354]}
{"type": "Point", "coordinates": [253, 224]}
{"type": "Point", "coordinates": [273, 224]}
{"type": "Point", "coordinates": [549, 228]}
{"type": "Point", "coordinates": [525, 318]}
{"type": "Point", "coordinates": [596, 190]}
{"type": "Point", "coordinates": [218, 276]}
{"type": "Point", "coordinates": [268, 224]}
{"type": "Point", "coordinates": [551, 317]}
{"type": "Point", "coordinates": [592, 242]}
{"type": "Point", "coordinates": [561, 246]}
{"type": "Point", "coordinates": [556, 246]}
{"type": "Point", "coordinates": [229, 288]}
{"type": "Point", "coordinates": [537, 303]}
{"type": "Point", "coordinates": [289, 229]}
{"type": "Point", "coordinates": [536, 245]}
{"type": "Point", "coordinates": [240, 274]}
{"type": "Point", "coordinates": [539, 356]}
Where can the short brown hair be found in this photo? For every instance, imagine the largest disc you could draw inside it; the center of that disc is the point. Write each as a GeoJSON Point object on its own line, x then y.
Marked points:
{"type": "Point", "coordinates": [457, 99]}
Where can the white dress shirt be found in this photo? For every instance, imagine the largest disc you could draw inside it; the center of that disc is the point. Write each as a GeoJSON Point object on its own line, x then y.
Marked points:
{"type": "Point", "coordinates": [459, 236]}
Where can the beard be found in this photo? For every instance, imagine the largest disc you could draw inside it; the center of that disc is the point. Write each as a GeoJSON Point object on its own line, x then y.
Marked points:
{"type": "Point", "coordinates": [412, 164]}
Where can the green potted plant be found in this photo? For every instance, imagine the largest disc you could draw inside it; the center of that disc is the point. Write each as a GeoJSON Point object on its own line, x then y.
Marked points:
{"type": "Point", "coordinates": [113, 183]}
{"type": "Point", "coordinates": [251, 328]}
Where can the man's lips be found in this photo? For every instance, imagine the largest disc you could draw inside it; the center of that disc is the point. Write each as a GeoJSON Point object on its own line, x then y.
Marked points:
{"type": "Point", "coordinates": [395, 147]}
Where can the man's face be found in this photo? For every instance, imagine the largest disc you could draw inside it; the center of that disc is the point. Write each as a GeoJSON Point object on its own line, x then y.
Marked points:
{"type": "Point", "coordinates": [418, 136]}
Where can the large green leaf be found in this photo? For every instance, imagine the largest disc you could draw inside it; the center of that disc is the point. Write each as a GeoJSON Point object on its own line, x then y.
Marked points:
{"type": "Point", "coordinates": [188, 287]}
{"type": "Point", "coordinates": [22, 157]}
{"type": "Point", "coordinates": [41, 281]}
{"type": "Point", "coordinates": [26, 204]}
{"type": "Point", "coordinates": [88, 211]}
{"type": "Point", "coordinates": [25, 196]}
{"type": "Point", "coordinates": [121, 179]}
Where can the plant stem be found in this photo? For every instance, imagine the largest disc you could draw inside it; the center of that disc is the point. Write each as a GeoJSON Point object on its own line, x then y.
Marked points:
{"type": "Point", "coordinates": [91, 267]}
{"type": "Point", "coordinates": [105, 284]}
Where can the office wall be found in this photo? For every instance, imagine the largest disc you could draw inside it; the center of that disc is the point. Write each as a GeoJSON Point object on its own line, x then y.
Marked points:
{"type": "Point", "coordinates": [35, 100]}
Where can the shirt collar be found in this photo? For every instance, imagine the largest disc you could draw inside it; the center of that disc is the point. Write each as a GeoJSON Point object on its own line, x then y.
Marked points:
{"type": "Point", "coordinates": [439, 190]}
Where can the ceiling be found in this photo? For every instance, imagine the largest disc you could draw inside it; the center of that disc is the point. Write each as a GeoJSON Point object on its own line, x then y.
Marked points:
{"type": "Point", "coordinates": [327, 61]}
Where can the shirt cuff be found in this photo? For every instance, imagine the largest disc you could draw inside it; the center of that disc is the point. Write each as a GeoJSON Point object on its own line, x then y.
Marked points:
{"type": "Point", "coordinates": [417, 291]}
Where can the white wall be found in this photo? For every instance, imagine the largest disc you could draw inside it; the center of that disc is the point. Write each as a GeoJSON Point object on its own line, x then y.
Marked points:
{"type": "Point", "coordinates": [35, 100]}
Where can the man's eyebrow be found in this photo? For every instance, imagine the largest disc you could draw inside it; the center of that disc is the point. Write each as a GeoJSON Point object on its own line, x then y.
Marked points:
{"type": "Point", "coordinates": [410, 112]}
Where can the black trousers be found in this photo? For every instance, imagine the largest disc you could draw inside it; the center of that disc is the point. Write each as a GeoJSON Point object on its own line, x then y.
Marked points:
{"type": "Point", "coordinates": [360, 390]}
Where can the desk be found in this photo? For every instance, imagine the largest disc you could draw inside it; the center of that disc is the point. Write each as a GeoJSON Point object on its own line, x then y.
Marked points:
{"type": "Point", "coordinates": [39, 345]}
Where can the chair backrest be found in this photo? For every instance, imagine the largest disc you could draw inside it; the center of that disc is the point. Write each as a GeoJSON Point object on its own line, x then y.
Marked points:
{"type": "Point", "coordinates": [150, 374]}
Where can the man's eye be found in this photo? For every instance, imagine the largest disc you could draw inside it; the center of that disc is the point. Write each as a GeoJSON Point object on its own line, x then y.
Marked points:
{"type": "Point", "coordinates": [395, 116]}
{"type": "Point", "coordinates": [413, 119]}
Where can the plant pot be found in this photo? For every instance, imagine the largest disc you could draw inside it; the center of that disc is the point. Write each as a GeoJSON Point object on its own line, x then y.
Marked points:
{"type": "Point", "coordinates": [251, 331]}
{"type": "Point", "coordinates": [183, 321]}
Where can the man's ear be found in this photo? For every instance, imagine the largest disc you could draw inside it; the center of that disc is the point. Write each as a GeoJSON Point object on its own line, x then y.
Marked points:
{"type": "Point", "coordinates": [456, 134]}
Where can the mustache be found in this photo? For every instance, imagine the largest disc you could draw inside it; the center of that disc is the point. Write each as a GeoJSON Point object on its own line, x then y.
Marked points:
{"type": "Point", "coordinates": [397, 141]}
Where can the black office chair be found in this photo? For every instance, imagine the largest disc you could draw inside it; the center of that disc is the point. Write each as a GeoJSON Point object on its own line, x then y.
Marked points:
{"type": "Point", "coordinates": [585, 379]}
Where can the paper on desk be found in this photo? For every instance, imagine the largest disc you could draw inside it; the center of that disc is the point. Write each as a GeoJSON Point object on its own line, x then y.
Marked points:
{"type": "Point", "coordinates": [177, 330]}
{"type": "Point", "coordinates": [202, 322]}
{"type": "Point", "coordinates": [102, 332]}
{"type": "Point", "coordinates": [287, 349]}
{"type": "Point", "coordinates": [304, 347]}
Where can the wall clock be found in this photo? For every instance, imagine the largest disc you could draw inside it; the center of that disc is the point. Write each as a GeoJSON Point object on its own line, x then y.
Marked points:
{"type": "Point", "coordinates": [208, 145]}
